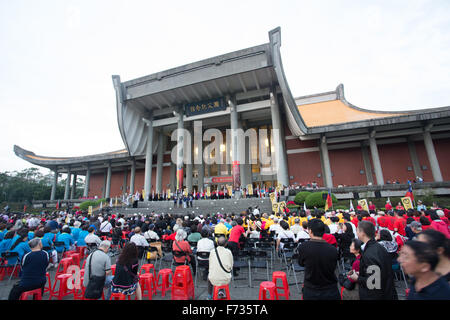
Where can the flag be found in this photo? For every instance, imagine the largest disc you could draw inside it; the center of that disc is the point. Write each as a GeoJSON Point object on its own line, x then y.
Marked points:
{"type": "Point", "coordinates": [101, 205]}
{"type": "Point", "coordinates": [409, 193]}
{"type": "Point", "coordinates": [389, 201]}
{"type": "Point", "coordinates": [57, 205]}
{"type": "Point", "coordinates": [116, 202]}
{"type": "Point", "coordinates": [351, 206]}
{"type": "Point", "coordinates": [329, 202]}
{"type": "Point", "coordinates": [24, 208]}
{"type": "Point", "coordinates": [407, 203]}
{"type": "Point", "coordinates": [110, 202]}
{"type": "Point", "coordinates": [304, 206]}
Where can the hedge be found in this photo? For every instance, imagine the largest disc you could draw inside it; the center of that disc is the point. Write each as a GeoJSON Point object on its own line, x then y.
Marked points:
{"type": "Point", "coordinates": [84, 206]}
{"type": "Point", "coordinates": [301, 197]}
{"type": "Point", "coordinates": [316, 200]}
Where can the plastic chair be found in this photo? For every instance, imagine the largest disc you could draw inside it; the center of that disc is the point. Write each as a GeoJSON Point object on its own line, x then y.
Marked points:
{"type": "Point", "coordinates": [147, 282]}
{"type": "Point", "coordinates": [81, 251]}
{"type": "Point", "coordinates": [182, 284]}
{"type": "Point", "coordinates": [281, 275]}
{"type": "Point", "coordinates": [164, 275]}
{"type": "Point", "coordinates": [63, 265]}
{"type": "Point", "coordinates": [63, 290]}
{"type": "Point", "coordinates": [80, 295]}
{"type": "Point", "coordinates": [36, 294]}
{"type": "Point", "coordinates": [119, 296]}
{"type": "Point", "coordinates": [267, 286]}
{"type": "Point", "coordinates": [216, 292]}
{"type": "Point", "coordinates": [48, 288]}
{"type": "Point", "coordinates": [113, 269]}
{"type": "Point", "coordinates": [147, 268]}
{"type": "Point", "coordinates": [76, 258]}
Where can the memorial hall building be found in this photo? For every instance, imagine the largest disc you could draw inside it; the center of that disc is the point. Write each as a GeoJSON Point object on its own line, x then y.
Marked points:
{"type": "Point", "coordinates": [323, 137]}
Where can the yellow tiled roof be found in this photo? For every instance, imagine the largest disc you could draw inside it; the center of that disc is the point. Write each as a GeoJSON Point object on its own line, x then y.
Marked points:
{"type": "Point", "coordinates": [335, 112]}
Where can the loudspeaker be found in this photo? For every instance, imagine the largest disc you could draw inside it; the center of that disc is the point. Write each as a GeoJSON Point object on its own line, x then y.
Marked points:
{"type": "Point", "coordinates": [355, 195]}
{"type": "Point", "coordinates": [377, 194]}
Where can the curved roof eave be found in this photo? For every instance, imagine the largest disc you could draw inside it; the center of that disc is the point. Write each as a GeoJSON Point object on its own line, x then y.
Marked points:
{"type": "Point", "coordinates": [51, 162]}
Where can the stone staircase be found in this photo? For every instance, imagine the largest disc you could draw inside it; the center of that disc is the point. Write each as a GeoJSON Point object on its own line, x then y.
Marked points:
{"type": "Point", "coordinates": [199, 207]}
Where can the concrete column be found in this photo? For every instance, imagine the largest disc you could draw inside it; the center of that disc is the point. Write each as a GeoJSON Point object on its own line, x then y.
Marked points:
{"type": "Point", "coordinates": [132, 175]}
{"type": "Point", "coordinates": [189, 165]}
{"type": "Point", "coordinates": [87, 181]}
{"type": "Point", "coordinates": [376, 159]}
{"type": "Point", "coordinates": [280, 153]}
{"type": "Point", "coordinates": [159, 161]}
{"type": "Point", "coordinates": [326, 162]}
{"type": "Point", "coordinates": [74, 186]}
{"type": "Point", "coordinates": [108, 181]}
{"type": "Point", "coordinates": [432, 158]}
{"type": "Point", "coordinates": [180, 150]}
{"type": "Point", "coordinates": [125, 179]}
{"type": "Point", "coordinates": [235, 146]}
{"type": "Point", "coordinates": [244, 164]}
{"type": "Point", "coordinates": [67, 190]}
{"type": "Point", "coordinates": [414, 158]}
{"type": "Point", "coordinates": [367, 165]}
{"type": "Point", "coordinates": [148, 159]}
{"type": "Point", "coordinates": [54, 184]}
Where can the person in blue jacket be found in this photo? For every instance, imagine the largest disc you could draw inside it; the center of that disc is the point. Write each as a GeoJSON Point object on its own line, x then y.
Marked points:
{"type": "Point", "coordinates": [47, 239]}
{"type": "Point", "coordinates": [75, 229]}
{"type": "Point", "coordinates": [6, 243]}
{"type": "Point", "coordinates": [65, 237]}
{"type": "Point", "coordinates": [83, 233]}
{"type": "Point", "coordinates": [3, 230]}
{"type": "Point", "coordinates": [20, 246]}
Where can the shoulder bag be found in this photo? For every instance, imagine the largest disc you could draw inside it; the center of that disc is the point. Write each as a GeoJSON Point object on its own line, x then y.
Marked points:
{"type": "Point", "coordinates": [95, 286]}
{"type": "Point", "coordinates": [220, 262]}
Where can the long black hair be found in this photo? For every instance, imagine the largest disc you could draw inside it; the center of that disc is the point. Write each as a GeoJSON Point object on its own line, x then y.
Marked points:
{"type": "Point", "coordinates": [22, 233]}
{"type": "Point", "coordinates": [128, 255]}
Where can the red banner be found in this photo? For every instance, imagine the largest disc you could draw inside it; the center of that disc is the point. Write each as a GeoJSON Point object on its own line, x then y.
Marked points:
{"type": "Point", "coordinates": [222, 179]}
{"type": "Point", "coordinates": [236, 175]}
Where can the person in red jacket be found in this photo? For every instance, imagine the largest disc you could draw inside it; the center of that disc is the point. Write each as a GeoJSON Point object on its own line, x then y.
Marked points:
{"type": "Point", "coordinates": [382, 220]}
{"type": "Point", "coordinates": [388, 206]}
{"type": "Point", "coordinates": [372, 207]}
{"type": "Point", "coordinates": [391, 221]}
{"type": "Point", "coordinates": [400, 223]}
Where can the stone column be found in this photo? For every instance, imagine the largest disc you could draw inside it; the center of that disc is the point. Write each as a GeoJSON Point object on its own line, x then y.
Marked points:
{"type": "Point", "coordinates": [326, 162]}
{"type": "Point", "coordinates": [376, 159]}
{"type": "Point", "coordinates": [414, 158]}
{"type": "Point", "coordinates": [432, 158]}
{"type": "Point", "coordinates": [108, 181]}
{"type": "Point", "coordinates": [74, 186]}
{"type": "Point", "coordinates": [180, 149]}
{"type": "Point", "coordinates": [125, 179]}
{"type": "Point", "coordinates": [159, 161]}
{"type": "Point", "coordinates": [87, 181]}
{"type": "Point", "coordinates": [189, 165]}
{"type": "Point", "coordinates": [54, 184]}
{"type": "Point", "coordinates": [367, 165]}
{"type": "Point", "coordinates": [280, 153]}
{"type": "Point", "coordinates": [243, 165]}
{"type": "Point", "coordinates": [132, 175]}
{"type": "Point", "coordinates": [235, 146]}
{"type": "Point", "coordinates": [67, 190]}
{"type": "Point", "coordinates": [148, 159]}
{"type": "Point", "coordinates": [173, 172]}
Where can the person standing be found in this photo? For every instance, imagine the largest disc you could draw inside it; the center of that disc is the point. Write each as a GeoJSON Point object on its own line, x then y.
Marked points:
{"type": "Point", "coordinates": [375, 278]}
{"type": "Point", "coordinates": [33, 275]}
{"type": "Point", "coordinates": [320, 261]}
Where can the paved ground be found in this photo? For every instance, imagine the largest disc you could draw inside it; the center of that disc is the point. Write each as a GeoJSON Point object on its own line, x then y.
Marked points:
{"type": "Point", "coordinates": [239, 288]}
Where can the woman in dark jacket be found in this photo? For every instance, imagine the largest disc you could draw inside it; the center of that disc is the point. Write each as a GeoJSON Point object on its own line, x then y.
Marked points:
{"type": "Point", "coordinates": [344, 238]}
{"type": "Point", "coordinates": [126, 278]}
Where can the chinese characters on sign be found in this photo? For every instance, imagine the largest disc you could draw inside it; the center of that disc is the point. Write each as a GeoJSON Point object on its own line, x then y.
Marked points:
{"type": "Point", "coordinates": [206, 106]}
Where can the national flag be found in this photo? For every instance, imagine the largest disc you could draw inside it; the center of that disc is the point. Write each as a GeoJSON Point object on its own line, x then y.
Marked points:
{"type": "Point", "coordinates": [329, 202]}
{"type": "Point", "coordinates": [351, 206]}
{"type": "Point", "coordinates": [304, 206]}
{"type": "Point", "coordinates": [57, 205]}
{"type": "Point", "coordinates": [409, 193]}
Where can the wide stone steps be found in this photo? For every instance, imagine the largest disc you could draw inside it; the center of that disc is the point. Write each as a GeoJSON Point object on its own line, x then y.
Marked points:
{"type": "Point", "coordinates": [199, 207]}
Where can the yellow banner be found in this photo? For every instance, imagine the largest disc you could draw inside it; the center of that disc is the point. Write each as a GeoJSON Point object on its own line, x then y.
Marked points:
{"type": "Point", "coordinates": [272, 197]}
{"type": "Point", "coordinates": [250, 189]}
{"type": "Point", "coordinates": [275, 207]}
{"type": "Point", "coordinates": [143, 195]}
{"type": "Point", "coordinates": [89, 210]}
{"type": "Point", "coordinates": [116, 202]}
{"type": "Point", "coordinates": [363, 204]}
{"type": "Point", "coordinates": [282, 206]}
{"type": "Point", "coordinates": [230, 190]}
{"type": "Point", "coordinates": [208, 191]}
{"type": "Point", "coordinates": [169, 194]}
{"type": "Point", "coordinates": [185, 192]}
{"type": "Point", "coordinates": [407, 203]}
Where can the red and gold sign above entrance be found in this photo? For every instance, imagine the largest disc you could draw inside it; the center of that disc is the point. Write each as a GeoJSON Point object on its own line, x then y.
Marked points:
{"type": "Point", "coordinates": [222, 179]}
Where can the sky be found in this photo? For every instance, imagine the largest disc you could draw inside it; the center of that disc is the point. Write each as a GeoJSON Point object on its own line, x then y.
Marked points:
{"type": "Point", "coordinates": [57, 58]}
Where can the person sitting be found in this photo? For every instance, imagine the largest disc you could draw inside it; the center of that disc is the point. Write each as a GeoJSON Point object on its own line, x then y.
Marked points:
{"type": "Point", "coordinates": [126, 279]}
{"type": "Point", "coordinates": [150, 234]}
{"type": "Point", "coordinates": [181, 245]}
{"type": "Point", "coordinates": [438, 224]}
{"type": "Point", "coordinates": [419, 260]}
{"type": "Point", "coordinates": [99, 263]}
{"type": "Point", "coordinates": [20, 246]}
{"type": "Point", "coordinates": [194, 236]}
{"type": "Point", "coordinates": [220, 267]}
{"type": "Point", "coordinates": [284, 234]}
{"type": "Point", "coordinates": [6, 243]}
{"type": "Point", "coordinates": [205, 244]}
{"type": "Point", "coordinates": [67, 239]}
{"type": "Point", "coordinates": [92, 238]}
{"type": "Point", "coordinates": [303, 234]}
{"type": "Point", "coordinates": [33, 270]}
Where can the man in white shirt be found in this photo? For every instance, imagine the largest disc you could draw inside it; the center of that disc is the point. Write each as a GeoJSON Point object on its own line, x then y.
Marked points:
{"type": "Point", "coordinates": [296, 228]}
{"type": "Point", "coordinates": [138, 239]}
{"type": "Point", "coordinates": [105, 227]}
{"type": "Point", "coordinates": [256, 211]}
{"type": "Point", "coordinates": [91, 237]}
{"type": "Point", "coordinates": [275, 226]}
{"type": "Point", "coordinates": [150, 234]}
{"type": "Point", "coordinates": [122, 221]}
{"type": "Point", "coordinates": [302, 234]}
{"type": "Point", "coordinates": [204, 245]}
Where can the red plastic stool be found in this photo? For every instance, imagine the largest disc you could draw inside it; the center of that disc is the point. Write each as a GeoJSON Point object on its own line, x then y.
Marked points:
{"type": "Point", "coordinates": [182, 284]}
{"type": "Point", "coordinates": [79, 293]}
{"type": "Point", "coordinates": [67, 254]}
{"type": "Point", "coordinates": [281, 275]}
{"type": "Point", "coordinates": [63, 265]}
{"type": "Point", "coordinates": [216, 292]}
{"type": "Point", "coordinates": [147, 282]}
{"type": "Point", "coordinates": [84, 264]}
{"type": "Point", "coordinates": [63, 289]}
{"type": "Point", "coordinates": [113, 269]}
{"type": "Point", "coordinates": [147, 268]}
{"type": "Point", "coordinates": [48, 288]}
{"type": "Point", "coordinates": [75, 258]}
{"type": "Point", "coordinates": [267, 286]}
{"type": "Point", "coordinates": [81, 251]}
{"type": "Point", "coordinates": [164, 275]}
{"type": "Point", "coordinates": [35, 294]}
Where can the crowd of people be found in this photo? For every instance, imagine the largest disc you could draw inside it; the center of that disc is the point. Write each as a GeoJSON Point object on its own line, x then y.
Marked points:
{"type": "Point", "coordinates": [355, 250]}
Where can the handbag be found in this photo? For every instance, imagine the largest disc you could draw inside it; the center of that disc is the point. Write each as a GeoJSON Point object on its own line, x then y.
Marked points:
{"type": "Point", "coordinates": [94, 289]}
{"type": "Point", "coordinates": [345, 282]}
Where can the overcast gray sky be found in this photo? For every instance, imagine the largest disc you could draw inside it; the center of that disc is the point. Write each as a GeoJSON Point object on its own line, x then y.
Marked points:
{"type": "Point", "coordinates": [57, 58]}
